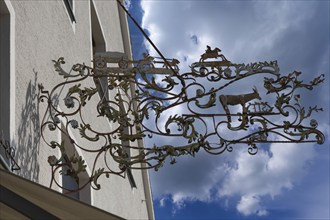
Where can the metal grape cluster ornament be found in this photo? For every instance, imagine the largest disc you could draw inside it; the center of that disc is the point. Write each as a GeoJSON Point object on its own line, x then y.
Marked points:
{"type": "Point", "coordinates": [212, 107]}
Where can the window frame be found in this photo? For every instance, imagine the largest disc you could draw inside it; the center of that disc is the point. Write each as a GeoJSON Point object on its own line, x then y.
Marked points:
{"type": "Point", "coordinates": [7, 88]}
{"type": "Point", "coordinates": [84, 195]}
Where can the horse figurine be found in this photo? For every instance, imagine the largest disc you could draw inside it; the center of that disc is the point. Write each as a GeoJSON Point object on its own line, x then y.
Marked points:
{"type": "Point", "coordinates": [209, 53]}
{"type": "Point", "coordinates": [238, 99]}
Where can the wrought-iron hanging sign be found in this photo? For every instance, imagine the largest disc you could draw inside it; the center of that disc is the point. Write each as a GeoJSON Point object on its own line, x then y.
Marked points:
{"type": "Point", "coordinates": [202, 109]}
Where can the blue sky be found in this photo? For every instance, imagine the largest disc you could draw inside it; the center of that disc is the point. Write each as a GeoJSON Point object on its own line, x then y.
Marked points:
{"type": "Point", "coordinates": [296, 33]}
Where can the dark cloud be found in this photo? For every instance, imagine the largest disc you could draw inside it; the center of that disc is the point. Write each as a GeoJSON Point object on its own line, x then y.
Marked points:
{"type": "Point", "coordinates": [194, 39]}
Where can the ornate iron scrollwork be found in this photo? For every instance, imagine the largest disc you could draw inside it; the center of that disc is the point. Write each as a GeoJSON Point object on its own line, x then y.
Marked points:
{"type": "Point", "coordinates": [145, 101]}
{"type": "Point", "coordinates": [9, 153]}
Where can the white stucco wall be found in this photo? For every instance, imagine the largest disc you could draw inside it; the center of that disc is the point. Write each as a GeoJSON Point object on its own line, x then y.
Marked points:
{"type": "Point", "coordinates": [43, 32]}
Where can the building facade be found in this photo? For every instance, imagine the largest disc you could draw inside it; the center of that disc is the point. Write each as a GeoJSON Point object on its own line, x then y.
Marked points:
{"type": "Point", "coordinates": [33, 33]}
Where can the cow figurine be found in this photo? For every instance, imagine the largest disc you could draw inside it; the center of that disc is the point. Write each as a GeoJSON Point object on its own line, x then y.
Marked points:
{"type": "Point", "coordinates": [238, 99]}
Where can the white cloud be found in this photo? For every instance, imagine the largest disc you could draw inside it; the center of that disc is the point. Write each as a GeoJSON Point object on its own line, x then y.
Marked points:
{"type": "Point", "coordinates": [162, 202]}
{"type": "Point", "coordinates": [247, 31]}
{"type": "Point", "coordinates": [250, 204]}
{"type": "Point", "coordinates": [266, 174]}
{"type": "Point", "coordinates": [127, 4]}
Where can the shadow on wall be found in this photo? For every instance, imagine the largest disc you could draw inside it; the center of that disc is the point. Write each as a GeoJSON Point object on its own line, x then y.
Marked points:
{"type": "Point", "coordinates": [28, 140]}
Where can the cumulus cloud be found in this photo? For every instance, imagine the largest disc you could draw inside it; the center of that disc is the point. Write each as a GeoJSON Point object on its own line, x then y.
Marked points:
{"type": "Point", "coordinates": [294, 33]}
{"type": "Point", "coordinates": [249, 204]}
{"type": "Point", "coordinates": [266, 174]}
